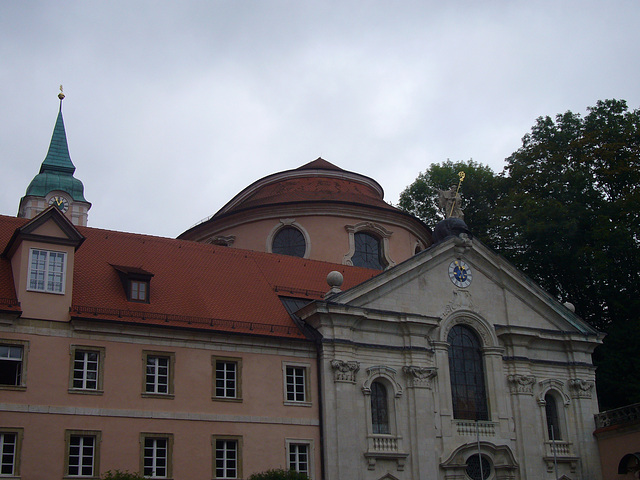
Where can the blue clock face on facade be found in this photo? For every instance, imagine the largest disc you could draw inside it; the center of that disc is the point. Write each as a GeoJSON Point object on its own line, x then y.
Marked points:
{"type": "Point", "coordinates": [460, 273]}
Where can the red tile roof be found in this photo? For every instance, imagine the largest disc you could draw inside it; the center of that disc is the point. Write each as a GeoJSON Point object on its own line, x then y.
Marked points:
{"type": "Point", "coordinates": [315, 189]}
{"type": "Point", "coordinates": [194, 285]}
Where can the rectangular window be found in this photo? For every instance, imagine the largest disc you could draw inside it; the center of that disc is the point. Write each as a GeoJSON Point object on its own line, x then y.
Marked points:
{"type": "Point", "coordinates": [47, 271]}
{"type": "Point", "coordinates": [227, 457]}
{"type": "Point", "coordinates": [139, 291]}
{"type": "Point", "coordinates": [296, 384]}
{"type": "Point", "coordinates": [11, 365]}
{"type": "Point", "coordinates": [156, 455]}
{"type": "Point", "coordinates": [299, 457]}
{"type": "Point", "coordinates": [227, 376]}
{"type": "Point", "coordinates": [86, 369]}
{"type": "Point", "coordinates": [82, 454]}
{"type": "Point", "coordinates": [10, 443]}
{"type": "Point", "coordinates": [158, 373]}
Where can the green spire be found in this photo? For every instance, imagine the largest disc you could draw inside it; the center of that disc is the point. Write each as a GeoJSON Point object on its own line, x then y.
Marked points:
{"type": "Point", "coordinates": [56, 172]}
{"type": "Point", "coordinates": [58, 159]}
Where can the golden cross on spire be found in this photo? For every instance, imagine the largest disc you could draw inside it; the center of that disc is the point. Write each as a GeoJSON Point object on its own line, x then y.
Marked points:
{"type": "Point", "coordinates": [61, 95]}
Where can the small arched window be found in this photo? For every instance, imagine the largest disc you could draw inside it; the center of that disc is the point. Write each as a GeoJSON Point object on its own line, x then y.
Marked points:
{"type": "Point", "coordinates": [379, 408]}
{"type": "Point", "coordinates": [368, 251]}
{"type": "Point", "coordinates": [466, 368]}
{"type": "Point", "coordinates": [289, 241]}
{"type": "Point", "coordinates": [553, 419]}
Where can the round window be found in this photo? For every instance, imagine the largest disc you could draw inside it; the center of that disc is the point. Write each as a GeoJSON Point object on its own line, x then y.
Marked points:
{"type": "Point", "coordinates": [473, 468]}
{"type": "Point", "coordinates": [289, 241]}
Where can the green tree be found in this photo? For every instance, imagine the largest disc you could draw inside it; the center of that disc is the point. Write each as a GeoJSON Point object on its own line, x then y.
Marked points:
{"type": "Point", "coordinates": [480, 189]}
{"type": "Point", "coordinates": [278, 474]}
{"type": "Point", "coordinates": [120, 475]}
{"type": "Point", "coordinates": [570, 219]}
{"type": "Point", "coordinates": [566, 211]}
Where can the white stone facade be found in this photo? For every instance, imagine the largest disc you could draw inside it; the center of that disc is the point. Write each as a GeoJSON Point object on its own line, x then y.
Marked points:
{"type": "Point", "coordinates": [393, 330]}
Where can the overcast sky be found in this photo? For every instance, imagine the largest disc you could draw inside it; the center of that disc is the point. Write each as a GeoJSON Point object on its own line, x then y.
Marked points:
{"type": "Point", "coordinates": [173, 107]}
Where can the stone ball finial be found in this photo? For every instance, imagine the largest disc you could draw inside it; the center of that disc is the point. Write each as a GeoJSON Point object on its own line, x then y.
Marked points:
{"type": "Point", "coordinates": [335, 279]}
{"type": "Point", "coordinates": [570, 306]}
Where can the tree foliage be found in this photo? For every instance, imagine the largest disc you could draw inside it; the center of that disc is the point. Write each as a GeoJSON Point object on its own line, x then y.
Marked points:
{"type": "Point", "coordinates": [566, 211]}
{"type": "Point", "coordinates": [122, 475]}
{"type": "Point", "coordinates": [278, 474]}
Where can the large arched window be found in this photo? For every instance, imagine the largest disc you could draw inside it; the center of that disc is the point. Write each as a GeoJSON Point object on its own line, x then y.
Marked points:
{"type": "Point", "coordinates": [379, 408]}
{"type": "Point", "coordinates": [289, 241]}
{"type": "Point", "coordinates": [466, 368]}
{"type": "Point", "coordinates": [553, 419]}
{"type": "Point", "coordinates": [368, 252]}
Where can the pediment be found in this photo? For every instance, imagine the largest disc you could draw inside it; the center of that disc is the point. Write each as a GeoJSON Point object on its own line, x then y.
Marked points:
{"type": "Point", "coordinates": [49, 227]}
{"type": "Point", "coordinates": [430, 285]}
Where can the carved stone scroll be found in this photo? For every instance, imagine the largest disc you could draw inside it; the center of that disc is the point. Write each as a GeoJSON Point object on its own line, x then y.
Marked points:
{"type": "Point", "coordinates": [419, 377]}
{"type": "Point", "coordinates": [580, 388]}
{"type": "Point", "coordinates": [521, 384]}
{"type": "Point", "coordinates": [344, 371]}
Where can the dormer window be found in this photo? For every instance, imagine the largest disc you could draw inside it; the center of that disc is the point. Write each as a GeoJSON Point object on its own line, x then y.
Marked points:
{"type": "Point", "coordinates": [138, 291]}
{"type": "Point", "coordinates": [46, 271]}
{"type": "Point", "coordinates": [136, 283]}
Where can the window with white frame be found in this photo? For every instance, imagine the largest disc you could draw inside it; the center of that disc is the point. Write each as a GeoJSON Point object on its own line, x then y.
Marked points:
{"type": "Point", "coordinates": [227, 378]}
{"type": "Point", "coordinates": [156, 455]}
{"type": "Point", "coordinates": [139, 290]}
{"type": "Point", "coordinates": [46, 271]}
{"type": "Point", "coordinates": [299, 457]}
{"type": "Point", "coordinates": [227, 457]}
{"type": "Point", "coordinates": [296, 384]}
{"type": "Point", "coordinates": [12, 364]}
{"type": "Point", "coordinates": [158, 378]}
{"type": "Point", "coordinates": [86, 369]}
{"type": "Point", "coordinates": [10, 443]}
{"type": "Point", "coordinates": [82, 454]}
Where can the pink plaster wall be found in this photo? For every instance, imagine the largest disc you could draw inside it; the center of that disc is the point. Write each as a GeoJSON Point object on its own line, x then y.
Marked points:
{"type": "Point", "coordinates": [47, 379]}
{"type": "Point", "coordinates": [615, 444]}
{"type": "Point", "coordinates": [328, 237]}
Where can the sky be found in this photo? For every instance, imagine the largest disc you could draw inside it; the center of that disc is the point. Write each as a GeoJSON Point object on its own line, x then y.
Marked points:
{"type": "Point", "coordinates": [173, 107]}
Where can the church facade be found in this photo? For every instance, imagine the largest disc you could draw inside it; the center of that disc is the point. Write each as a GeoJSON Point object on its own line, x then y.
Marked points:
{"type": "Point", "coordinates": [306, 325]}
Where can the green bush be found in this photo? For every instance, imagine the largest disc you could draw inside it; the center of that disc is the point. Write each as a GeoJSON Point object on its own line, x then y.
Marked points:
{"type": "Point", "coordinates": [118, 475]}
{"type": "Point", "coordinates": [278, 474]}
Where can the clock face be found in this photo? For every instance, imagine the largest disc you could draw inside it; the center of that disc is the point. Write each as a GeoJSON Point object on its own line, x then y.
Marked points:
{"type": "Point", "coordinates": [60, 202]}
{"type": "Point", "coordinates": [460, 273]}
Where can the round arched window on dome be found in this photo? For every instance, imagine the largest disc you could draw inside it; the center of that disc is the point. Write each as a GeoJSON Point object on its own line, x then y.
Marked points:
{"type": "Point", "coordinates": [368, 251]}
{"type": "Point", "coordinates": [289, 241]}
{"type": "Point", "coordinates": [473, 468]}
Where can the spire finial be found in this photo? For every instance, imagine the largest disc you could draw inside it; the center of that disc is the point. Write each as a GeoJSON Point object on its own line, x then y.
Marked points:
{"type": "Point", "coordinates": [61, 95]}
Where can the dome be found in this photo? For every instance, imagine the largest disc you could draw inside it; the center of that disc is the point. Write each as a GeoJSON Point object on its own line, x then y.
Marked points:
{"type": "Point", "coordinates": [46, 182]}
{"type": "Point", "coordinates": [317, 211]}
{"type": "Point", "coordinates": [317, 181]}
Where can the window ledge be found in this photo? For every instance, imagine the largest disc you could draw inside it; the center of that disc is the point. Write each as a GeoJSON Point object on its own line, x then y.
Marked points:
{"type": "Point", "coordinates": [17, 388]}
{"type": "Point", "coordinates": [226, 399]}
{"type": "Point", "coordinates": [166, 396]}
{"type": "Point", "coordinates": [83, 391]}
{"type": "Point", "coordinates": [44, 291]}
{"type": "Point", "coordinates": [290, 403]}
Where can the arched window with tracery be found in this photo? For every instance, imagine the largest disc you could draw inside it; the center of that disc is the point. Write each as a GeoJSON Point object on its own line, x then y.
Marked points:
{"type": "Point", "coordinates": [466, 369]}
{"type": "Point", "coordinates": [368, 251]}
{"type": "Point", "coordinates": [379, 408]}
{"type": "Point", "coordinates": [553, 419]}
{"type": "Point", "coordinates": [289, 241]}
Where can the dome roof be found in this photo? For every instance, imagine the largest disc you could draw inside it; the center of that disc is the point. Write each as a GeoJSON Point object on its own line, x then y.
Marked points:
{"type": "Point", "coordinates": [317, 181]}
